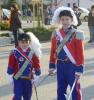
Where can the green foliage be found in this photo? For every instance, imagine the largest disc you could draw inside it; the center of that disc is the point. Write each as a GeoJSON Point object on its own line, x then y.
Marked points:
{"type": "Point", "coordinates": [3, 26]}
{"type": "Point", "coordinates": [4, 6]}
{"type": "Point", "coordinates": [4, 35]}
{"type": "Point", "coordinates": [10, 2]}
{"type": "Point", "coordinates": [42, 33]}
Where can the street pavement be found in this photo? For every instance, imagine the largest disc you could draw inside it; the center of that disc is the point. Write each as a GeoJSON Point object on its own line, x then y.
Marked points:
{"type": "Point", "coordinates": [47, 89]}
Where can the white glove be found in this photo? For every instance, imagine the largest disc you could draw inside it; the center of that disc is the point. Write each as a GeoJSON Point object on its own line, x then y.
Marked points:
{"type": "Point", "coordinates": [36, 80]}
{"type": "Point", "coordinates": [51, 71]}
{"type": "Point", "coordinates": [10, 77]}
{"type": "Point", "coordinates": [78, 75]}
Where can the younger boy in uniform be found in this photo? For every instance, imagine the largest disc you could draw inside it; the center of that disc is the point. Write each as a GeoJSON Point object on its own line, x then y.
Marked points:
{"type": "Point", "coordinates": [22, 61]}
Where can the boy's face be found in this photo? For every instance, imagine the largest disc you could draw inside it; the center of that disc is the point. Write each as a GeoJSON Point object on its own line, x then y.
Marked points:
{"type": "Point", "coordinates": [66, 21]}
{"type": "Point", "coordinates": [23, 44]}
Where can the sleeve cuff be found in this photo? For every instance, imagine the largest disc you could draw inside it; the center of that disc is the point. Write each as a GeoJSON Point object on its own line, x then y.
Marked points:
{"type": "Point", "coordinates": [10, 70]}
{"type": "Point", "coordinates": [79, 69]}
{"type": "Point", "coordinates": [37, 72]}
{"type": "Point", "coordinates": [52, 65]}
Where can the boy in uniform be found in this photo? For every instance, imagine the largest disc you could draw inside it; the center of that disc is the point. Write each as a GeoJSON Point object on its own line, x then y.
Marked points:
{"type": "Point", "coordinates": [67, 53]}
{"type": "Point", "coordinates": [23, 61]}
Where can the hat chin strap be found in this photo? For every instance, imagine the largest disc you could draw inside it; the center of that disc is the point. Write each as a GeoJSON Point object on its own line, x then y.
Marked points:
{"type": "Point", "coordinates": [24, 49]}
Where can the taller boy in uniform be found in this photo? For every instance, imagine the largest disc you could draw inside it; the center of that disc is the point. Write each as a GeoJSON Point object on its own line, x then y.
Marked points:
{"type": "Point", "coordinates": [69, 59]}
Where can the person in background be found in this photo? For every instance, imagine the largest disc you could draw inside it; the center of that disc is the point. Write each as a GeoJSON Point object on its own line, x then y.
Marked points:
{"type": "Point", "coordinates": [48, 15]}
{"type": "Point", "coordinates": [29, 15]}
{"type": "Point", "coordinates": [54, 7]}
{"type": "Point", "coordinates": [28, 48]}
{"type": "Point", "coordinates": [15, 22]}
{"type": "Point", "coordinates": [69, 61]}
{"type": "Point", "coordinates": [91, 24]}
{"type": "Point", "coordinates": [77, 13]}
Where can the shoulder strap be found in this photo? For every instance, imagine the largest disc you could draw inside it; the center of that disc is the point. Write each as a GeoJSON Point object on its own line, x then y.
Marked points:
{"type": "Point", "coordinates": [63, 42]}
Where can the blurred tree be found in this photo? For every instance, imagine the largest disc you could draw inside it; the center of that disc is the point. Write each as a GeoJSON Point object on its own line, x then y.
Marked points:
{"type": "Point", "coordinates": [0, 14]}
{"type": "Point", "coordinates": [19, 3]}
{"type": "Point", "coordinates": [10, 2]}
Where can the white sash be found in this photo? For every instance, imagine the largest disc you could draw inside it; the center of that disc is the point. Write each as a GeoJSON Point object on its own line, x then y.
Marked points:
{"type": "Point", "coordinates": [66, 49]}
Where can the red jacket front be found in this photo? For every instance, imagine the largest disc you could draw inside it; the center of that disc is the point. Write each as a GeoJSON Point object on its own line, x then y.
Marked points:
{"type": "Point", "coordinates": [14, 64]}
{"type": "Point", "coordinates": [75, 47]}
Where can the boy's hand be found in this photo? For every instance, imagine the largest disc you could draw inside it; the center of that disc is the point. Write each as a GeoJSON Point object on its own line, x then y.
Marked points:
{"type": "Point", "coordinates": [36, 80]}
{"type": "Point", "coordinates": [78, 75]}
{"type": "Point", "coordinates": [51, 71]}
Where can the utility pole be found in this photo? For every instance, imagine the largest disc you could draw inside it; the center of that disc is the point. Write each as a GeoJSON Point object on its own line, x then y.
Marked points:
{"type": "Point", "coordinates": [42, 13]}
{"type": "Point", "coordinates": [78, 3]}
{"type": "Point", "coordinates": [0, 14]}
{"type": "Point", "coordinates": [33, 3]}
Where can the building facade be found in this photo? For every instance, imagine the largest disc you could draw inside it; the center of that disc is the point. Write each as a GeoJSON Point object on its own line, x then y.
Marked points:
{"type": "Point", "coordinates": [82, 3]}
{"type": "Point", "coordinates": [86, 3]}
{"type": "Point", "coordinates": [69, 3]}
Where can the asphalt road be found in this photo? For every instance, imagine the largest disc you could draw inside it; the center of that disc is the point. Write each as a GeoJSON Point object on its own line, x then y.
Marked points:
{"type": "Point", "coordinates": [47, 89]}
